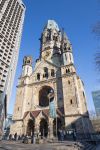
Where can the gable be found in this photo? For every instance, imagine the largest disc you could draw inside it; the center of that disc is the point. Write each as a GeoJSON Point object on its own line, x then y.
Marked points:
{"type": "Point", "coordinates": [39, 67]}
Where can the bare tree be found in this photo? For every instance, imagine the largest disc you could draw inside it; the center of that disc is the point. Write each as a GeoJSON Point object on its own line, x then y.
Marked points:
{"type": "Point", "coordinates": [97, 60]}
{"type": "Point", "coordinates": [96, 31]}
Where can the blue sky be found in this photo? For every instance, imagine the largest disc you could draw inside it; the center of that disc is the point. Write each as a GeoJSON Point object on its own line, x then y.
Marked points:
{"type": "Point", "coordinates": [77, 17]}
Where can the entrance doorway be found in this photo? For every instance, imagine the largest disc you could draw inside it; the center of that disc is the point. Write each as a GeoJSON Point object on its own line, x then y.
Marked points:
{"type": "Point", "coordinates": [43, 127]}
{"type": "Point", "coordinates": [30, 127]}
{"type": "Point", "coordinates": [57, 125]}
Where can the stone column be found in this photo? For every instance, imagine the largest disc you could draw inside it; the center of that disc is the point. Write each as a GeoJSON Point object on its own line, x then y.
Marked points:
{"type": "Point", "coordinates": [25, 130]}
{"type": "Point", "coordinates": [24, 127]}
{"type": "Point", "coordinates": [50, 128]}
{"type": "Point", "coordinates": [37, 127]}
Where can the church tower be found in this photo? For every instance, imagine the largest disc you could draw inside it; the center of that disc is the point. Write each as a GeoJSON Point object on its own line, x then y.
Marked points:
{"type": "Point", "coordinates": [66, 47]}
{"type": "Point", "coordinates": [50, 43]}
{"type": "Point", "coordinates": [54, 72]}
{"type": "Point", "coordinates": [27, 66]}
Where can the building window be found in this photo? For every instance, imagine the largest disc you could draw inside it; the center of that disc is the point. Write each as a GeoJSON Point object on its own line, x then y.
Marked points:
{"type": "Point", "coordinates": [68, 70]}
{"type": "Point", "coordinates": [68, 82]}
{"type": "Point", "coordinates": [1, 68]}
{"type": "Point", "coordinates": [66, 57]}
{"type": "Point", "coordinates": [18, 108]}
{"type": "Point", "coordinates": [83, 94]}
{"type": "Point", "coordinates": [71, 102]}
{"type": "Point", "coordinates": [45, 72]}
{"type": "Point", "coordinates": [52, 72]}
{"type": "Point", "coordinates": [5, 70]}
{"type": "Point", "coordinates": [4, 75]}
{"type": "Point", "coordinates": [3, 80]}
{"type": "Point", "coordinates": [28, 61]}
{"type": "Point", "coordinates": [38, 76]}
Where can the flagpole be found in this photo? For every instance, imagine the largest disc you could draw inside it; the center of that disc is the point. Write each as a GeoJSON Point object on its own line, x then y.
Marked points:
{"type": "Point", "coordinates": [56, 123]}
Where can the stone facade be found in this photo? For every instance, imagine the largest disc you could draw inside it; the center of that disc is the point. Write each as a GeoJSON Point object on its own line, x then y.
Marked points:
{"type": "Point", "coordinates": [53, 71]}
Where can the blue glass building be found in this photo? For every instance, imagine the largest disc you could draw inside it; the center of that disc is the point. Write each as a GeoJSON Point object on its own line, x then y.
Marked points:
{"type": "Point", "coordinates": [96, 100]}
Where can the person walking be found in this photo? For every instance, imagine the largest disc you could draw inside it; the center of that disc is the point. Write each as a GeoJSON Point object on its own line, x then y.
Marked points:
{"type": "Point", "coordinates": [15, 136]}
{"type": "Point", "coordinates": [62, 135]}
{"type": "Point", "coordinates": [74, 135]}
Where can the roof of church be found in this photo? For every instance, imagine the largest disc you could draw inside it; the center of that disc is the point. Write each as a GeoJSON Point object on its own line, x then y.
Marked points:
{"type": "Point", "coordinates": [51, 24]}
{"type": "Point", "coordinates": [35, 113]}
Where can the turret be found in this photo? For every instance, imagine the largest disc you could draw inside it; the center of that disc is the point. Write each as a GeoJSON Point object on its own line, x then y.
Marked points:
{"type": "Point", "coordinates": [50, 42]}
{"type": "Point", "coordinates": [27, 66]}
{"type": "Point", "coordinates": [66, 47]}
{"type": "Point", "coordinates": [55, 45]}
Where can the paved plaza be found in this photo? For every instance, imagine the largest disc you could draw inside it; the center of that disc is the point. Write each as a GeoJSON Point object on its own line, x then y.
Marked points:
{"type": "Point", "coordinates": [13, 145]}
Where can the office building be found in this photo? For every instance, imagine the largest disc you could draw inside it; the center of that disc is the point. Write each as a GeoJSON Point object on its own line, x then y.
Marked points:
{"type": "Point", "coordinates": [12, 14]}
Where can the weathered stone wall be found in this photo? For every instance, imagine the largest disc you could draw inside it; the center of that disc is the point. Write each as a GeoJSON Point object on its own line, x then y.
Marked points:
{"type": "Point", "coordinates": [17, 127]}
{"type": "Point", "coordinates": [56, 54]}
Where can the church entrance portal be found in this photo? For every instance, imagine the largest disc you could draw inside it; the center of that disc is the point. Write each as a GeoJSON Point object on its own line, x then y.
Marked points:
{"type": "Point", "coordinates": [44, 127]}
{"type": "Point", "coordinates": [30, 127]}
{"type": "Point", "coordinates": [57, 125]}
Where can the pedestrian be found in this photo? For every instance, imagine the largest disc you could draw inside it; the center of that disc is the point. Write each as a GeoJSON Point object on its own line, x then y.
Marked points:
{"type": "Point", "coordinates": [58, 135]}
{"type": "Point", "coordinates": [74, 135]}
{"type": "Point", "coordinates": [62, 135]}
{"type": "Point", "coordinates": [10, 136]}
{"type": "Point", "coordinates": [32, 138]}
{"type": "Point", "coordinates": [19, 137]}
{"type": "Point", "coordinates": [15, 136]}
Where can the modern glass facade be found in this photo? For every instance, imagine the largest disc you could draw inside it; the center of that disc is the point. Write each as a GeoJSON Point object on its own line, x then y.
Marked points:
{"type": "Point", "coordinates": [12, 14]}
{"type": "Point", "coordinates": [96, 100]}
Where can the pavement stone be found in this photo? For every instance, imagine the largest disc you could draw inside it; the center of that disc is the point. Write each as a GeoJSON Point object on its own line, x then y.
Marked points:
{"type": "Point", "coordinates": [67, 145]}
{"type": "Point", "coordinates": [11, 145]}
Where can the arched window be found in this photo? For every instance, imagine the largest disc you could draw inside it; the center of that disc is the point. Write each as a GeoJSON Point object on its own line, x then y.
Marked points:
{"type": "Point", "coordinates": [28, 61]}
{"type": "Point", "coordinates": [65, 56]}
{"type": "Point", "coordinates": [55, 38]}
{"type": "Point", "coordinates": [45, 72]}
{"type": "Point", "coordinates": [83, 94]}
{"type": "Point", "coordinates": [67, 70]}
{"type": "Point", "coordinates": [52, 72]}
{"type": "Point", "coordinates": [38, 76]}
{"type": "Point", "coordinates": [71, 102]}
{"type": "Point", "coordinates": [65, 46]}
